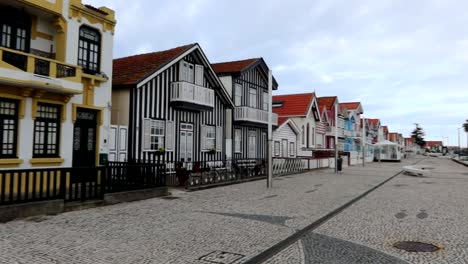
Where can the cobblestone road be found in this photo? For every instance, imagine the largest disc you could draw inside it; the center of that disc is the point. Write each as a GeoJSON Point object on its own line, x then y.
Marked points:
{"type": "Point", "coordinates": [432, 210]}
{"type": "Point", "coordinates": [224, 225]}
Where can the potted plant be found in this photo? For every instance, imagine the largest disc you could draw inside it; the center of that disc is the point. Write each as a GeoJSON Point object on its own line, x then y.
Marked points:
{"type": "Point", "coordinates": [212, 151]}
{"type": "Point", "coordinates": [161, 151]}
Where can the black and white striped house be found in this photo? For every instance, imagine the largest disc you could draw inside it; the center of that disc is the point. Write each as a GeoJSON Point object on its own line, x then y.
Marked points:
{"type": "Point", "coordinates": [246, 81]}
{"type": "Point", "coordinates": [173, 104]}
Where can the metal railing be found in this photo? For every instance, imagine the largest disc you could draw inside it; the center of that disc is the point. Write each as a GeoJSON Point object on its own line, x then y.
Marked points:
{"type": "Point", "coordinates": [245, 113]}
{"type": "Point", "coordinates": [43, 66]}
{"type": "Point", "coordinates": [192, 93]}
{"type": "Point", "coordinates": [125, 176]}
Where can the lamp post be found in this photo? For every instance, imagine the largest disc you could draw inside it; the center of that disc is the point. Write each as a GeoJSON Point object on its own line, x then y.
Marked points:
{"type": "Point", "coordinates": [363, 142]}
{"type": "Point", "coordinates": [336, 136]}
{"type": "Point", "coordinates": [270, 131]}
{"type": "Point", "coordinates": [459, 147]}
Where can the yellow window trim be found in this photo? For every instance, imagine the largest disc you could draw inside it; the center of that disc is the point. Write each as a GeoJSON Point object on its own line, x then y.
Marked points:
{"type": "Point", "coordinates": [46, 161]}
{"type": "Point", "coordinates": [10, 163]}
{"type": "Point", "coordinates": [22, 102]}
{"type": "Point", "coordinates": [78, 10]}
{"type": "Point", "coordinates": [100, 116]}
{"type": "Point", "coordinates": [36, 101]}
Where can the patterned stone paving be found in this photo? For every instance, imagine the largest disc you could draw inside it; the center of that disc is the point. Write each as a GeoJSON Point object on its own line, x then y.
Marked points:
{"type": "Point", "coordinates": [236, 220]}
{"type": "Point", "coordinates": [431, 210]}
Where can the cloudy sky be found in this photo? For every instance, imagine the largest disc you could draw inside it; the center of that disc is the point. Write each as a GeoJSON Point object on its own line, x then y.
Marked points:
{"type": "Point", "coordinates": [406, 61]}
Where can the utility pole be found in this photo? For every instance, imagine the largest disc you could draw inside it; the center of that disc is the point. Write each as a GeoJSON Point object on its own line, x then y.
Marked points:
{"type": "Point", "coordinates": [336, 135]}
{"type": "Point", "coordinates": [363, 142]}
{"type": "Point", "coordinates": [270, 131]}
{"type": "Point", "coordinates": [459, 147]}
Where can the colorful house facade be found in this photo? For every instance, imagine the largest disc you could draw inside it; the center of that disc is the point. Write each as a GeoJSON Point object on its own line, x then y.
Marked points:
{"type": "Point", "coordinates": [55, 83]}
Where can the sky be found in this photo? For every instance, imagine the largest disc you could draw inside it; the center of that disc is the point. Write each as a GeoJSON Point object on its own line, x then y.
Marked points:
{"type": "Point", "coordinates": [406, 61]}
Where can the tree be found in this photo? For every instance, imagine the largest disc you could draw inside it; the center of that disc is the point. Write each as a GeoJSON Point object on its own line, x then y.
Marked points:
{"type": "Point", "coordinates": [418, 136]}
{"type": "Point", "coordinates": [465, 126]}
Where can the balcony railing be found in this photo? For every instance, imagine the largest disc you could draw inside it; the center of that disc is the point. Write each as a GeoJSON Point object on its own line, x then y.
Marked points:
{"type": "Point", "coordinates": [192, 93]}
{"type": "Point", "coordinates": [249, 114]}
{"type": "Point", "coordinates": [42, 66]}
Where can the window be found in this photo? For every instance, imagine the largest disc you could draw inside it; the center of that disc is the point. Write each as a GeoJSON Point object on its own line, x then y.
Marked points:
{"type": "Point", "coordinates": [153, 134]}
{"type": "Point", "coordinates": [265, 101]}
{"type": "Point", "coordinates": [253, 97]}
{"type": "Point", "coordinates": [308, 135]}
{"type": "Point", "coordinates": [8, 127]}
{"type": "Point", "coordinates": [252, 144]}
{"type": "Point", "coordinates": [284, 144]}
{"type": "Point", "coordinates": [302, 136]}
{"type": "Point", "coordinates": [187, 72]}
{"type": "Point", "coordinates": [237, 140]}
{"type": "Point", "coordinates": [15, 28]}
{"type": "Point", "coordinates": [47, 131]}
{"type": "Point", "coordinates": [277, 148]}
{"type": "Point", "coordinates": [210, 137]}
{"type": "Point", "coordinates": [238, 94]}
{"type": "Point", "coordinates": [313, 136]}
{"type": "Point", "coordinates": [89, 50]}
{"type": "Point", "coordinates": [292, 149]}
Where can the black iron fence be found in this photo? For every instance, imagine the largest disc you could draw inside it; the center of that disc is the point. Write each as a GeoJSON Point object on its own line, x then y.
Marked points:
{"type": "Point", "coordinates": [124, 176]}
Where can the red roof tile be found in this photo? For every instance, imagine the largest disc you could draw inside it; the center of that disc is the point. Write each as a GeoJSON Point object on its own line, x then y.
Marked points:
{"type": "Point", "coordinates": [131, 70]}
{"type": "Point", "coordinates": [351, 105]}
{"type": "Point", "coordinates": [385, 129]}
{"type": "Point", "coordinates": [373, 121]}
{"type": "Point", "coordinates": [326, 101]}
{"type": "Point", "coordinates": [282, 119]}
{"type": "Point", "coordinates": [433, 143]}
{"type": "Point", "coordinates": [293, 104]}
{"type": "Point", "coordinates": [233, 66]}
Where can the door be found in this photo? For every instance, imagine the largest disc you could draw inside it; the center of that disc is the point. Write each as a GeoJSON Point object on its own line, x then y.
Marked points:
{"type": "Point", "coordinates": [252, 145]}
{"type": "Point", "coordinates": [186, 143]}
{"type": "Point", "coordinates": [84, 138]}
{"type": "Point", "coordinates": [118, 143]}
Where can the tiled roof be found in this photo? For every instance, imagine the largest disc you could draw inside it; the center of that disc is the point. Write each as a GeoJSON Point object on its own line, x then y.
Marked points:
{"type": "Point", "coordinates": [373, 121]}
{"type": "Point", "coordinates": [392, 136]}
{"type": "Point", "coordinates": [293, 104]}
{"type": "Point", "coordinates": [326, 102]}
{"type": "Point", "coordinates": [350, 105]}
{"type": "Point", "coordinates": [433, 143]}
{"type": "Point", "coordinates": [233, 66]}
{"type": "Point", "coordinates": [132, 69]}
{"type": "Point", "coordinates": [385, 129]}
{"type": "Point", "coordinates": [281, 120]}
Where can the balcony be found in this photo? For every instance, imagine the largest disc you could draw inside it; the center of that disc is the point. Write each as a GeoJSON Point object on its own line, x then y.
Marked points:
{"type": "Point", "coordinates": [191, 96]}
{"type": "Point", "coordinates": [24, 69]}
{"type": "Point", "coordinates": [349, 133]}
{"type": "Point", "coordinates": [253, 116]}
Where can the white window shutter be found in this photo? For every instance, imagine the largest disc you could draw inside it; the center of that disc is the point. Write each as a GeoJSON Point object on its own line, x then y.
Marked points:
{"type": "Point", "coordinates": [182, 71]}
{"type": "Point", "coordinates": [170, 135]}
{"type": "Point", "coordinates": [219, 138]}
{"type": "Point", "coordinates": [146, 134]}
{"type": "Point", "coordinates": [199, 75]}
{"type": "Point", "coordinates": [203, 137]}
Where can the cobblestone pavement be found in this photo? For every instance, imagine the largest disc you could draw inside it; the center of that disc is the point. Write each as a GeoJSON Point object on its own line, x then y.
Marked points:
{"type": "Point", "coordinates": [223, 225]}
{"type": "Point", "coordinates": [429, 209]}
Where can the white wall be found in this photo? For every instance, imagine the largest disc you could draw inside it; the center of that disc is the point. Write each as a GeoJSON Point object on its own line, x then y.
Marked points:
{"type": "Point", "coordinates": [227, 82]}
{"type": "Point", "coordinates": [285, 132]}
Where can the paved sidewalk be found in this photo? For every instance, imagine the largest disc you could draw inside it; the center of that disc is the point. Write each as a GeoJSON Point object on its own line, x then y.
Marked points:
{"type": "Point", "coordinates": [241, 220]}
{"type": "Point", "coordinates": [429, 209]}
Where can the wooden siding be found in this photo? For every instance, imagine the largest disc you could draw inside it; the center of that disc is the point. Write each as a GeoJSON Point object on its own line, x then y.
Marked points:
{"type": "Point", "coordinates": [285, 132]}
{"type": "Point", "coordinates": [152, 100]}
{"type": "Point", "coordinates": [255, 79]}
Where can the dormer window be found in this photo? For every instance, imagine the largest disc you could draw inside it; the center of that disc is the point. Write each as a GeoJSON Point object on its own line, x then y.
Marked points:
{"type": "Point", "coordinates": [89, 50]}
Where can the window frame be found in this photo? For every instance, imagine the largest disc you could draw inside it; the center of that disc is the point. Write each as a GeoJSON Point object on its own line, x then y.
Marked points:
{"type": "Point", "coordinates": [253, 103]}
{"type": "Point", "coordinates": [210, 139]}
{"type": "Point", "coordinates": [237, 140]}
{"type": "Point", "coordinates": [252, 148]}
{"type": "Point", "coordinates": [292, 148]}
{"type": "Point", "coordinates": [156, 140]}
{"type": "Point", "coordinates": [265, 101]}
{"type": "Point", "coordinates": [276, 148]}
{"type": "Point", "coordinates": [16, 20]}
{"type": "Point", "coordinates": [237, 94]}
{"type": "Point", "coordinates": [48, 124]}
{"type": "Point", "coordinates": [85, 62]}
{"type": "Point", "coordinates": [10, 117]}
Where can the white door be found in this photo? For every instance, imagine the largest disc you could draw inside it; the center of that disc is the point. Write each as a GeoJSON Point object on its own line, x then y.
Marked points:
{"type": "Point", "coordinates": [118, 143]}
{"type": "Point", "coordinates": [186, 143]}
{"type": "Point", "coordinates": [284, 148]}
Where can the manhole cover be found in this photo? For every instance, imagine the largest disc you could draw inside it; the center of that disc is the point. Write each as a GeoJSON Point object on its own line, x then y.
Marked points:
{"type": "Point", "coordinates": [413, 246]}
{"type": "Point", "coordinates": [221, 257]}
{"type": "Point", "coordinates": [170, 197]}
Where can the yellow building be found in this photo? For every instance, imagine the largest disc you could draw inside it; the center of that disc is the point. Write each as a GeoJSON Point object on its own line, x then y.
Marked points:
{"type": "Point", "coordinates": [55, 82]}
